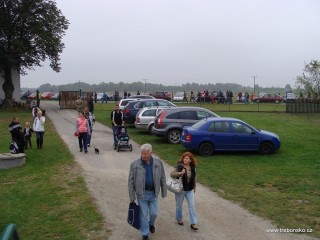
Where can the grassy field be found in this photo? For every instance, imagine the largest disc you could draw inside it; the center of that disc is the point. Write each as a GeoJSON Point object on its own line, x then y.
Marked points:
{"type": "Point", "coordinates": [284, 187]}
{"type": "Point", "coordinates": [47, 197]}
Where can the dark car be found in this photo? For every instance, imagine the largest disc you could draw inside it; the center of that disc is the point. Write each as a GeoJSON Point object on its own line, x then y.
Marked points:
{"type": "Point", "coordinates": [228, 134]}
{"type": "Point", "coordinates": [170, 122]}
{"type": "Point", "coordinates": [161, 95]}
{"type": "Point", "coordinates": [132, 108]}
{"type": "Point", "coordinates": [268, 98]}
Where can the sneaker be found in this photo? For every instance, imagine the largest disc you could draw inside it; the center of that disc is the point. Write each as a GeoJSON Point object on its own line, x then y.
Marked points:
{"type": "Point", "coordinates": [80, 149]}
{"type": "Point", "coordinates": [152, 229]}
{"type": "Point", "coordinates": [85, 151]}
{"type": "Point", "coordinates": [145, 238]}
{"type": "Point", "coordinates": [88, 145]}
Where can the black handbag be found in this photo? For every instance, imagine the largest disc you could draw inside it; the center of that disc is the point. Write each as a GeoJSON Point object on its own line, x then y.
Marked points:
{"type": "Point", "coordinates": [134, 215]}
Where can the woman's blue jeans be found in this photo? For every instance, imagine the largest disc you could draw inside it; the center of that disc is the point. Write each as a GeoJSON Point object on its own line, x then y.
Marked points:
{"type": "Point", "coordinates": [189, 195]}
{"type": "Point", "coordinates": [148, 211]}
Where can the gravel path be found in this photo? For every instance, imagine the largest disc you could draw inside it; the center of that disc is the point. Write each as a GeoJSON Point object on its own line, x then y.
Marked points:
{"type": "Point", "coordinates": [106, 177]}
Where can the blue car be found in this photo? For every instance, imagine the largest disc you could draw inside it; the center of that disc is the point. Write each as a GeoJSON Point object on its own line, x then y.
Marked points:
{"type": "Point", "coordinates": [228, 134]}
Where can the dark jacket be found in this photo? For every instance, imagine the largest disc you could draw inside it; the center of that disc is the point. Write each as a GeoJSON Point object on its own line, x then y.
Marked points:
{"type": "Point", "coordinates": [15, 130]}
{"type": "Point", "coordinates": [187, 185]}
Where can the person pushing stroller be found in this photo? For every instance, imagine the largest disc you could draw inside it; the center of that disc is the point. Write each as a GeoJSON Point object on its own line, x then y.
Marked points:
{"type": "Point", "coordinates": [117, 121]}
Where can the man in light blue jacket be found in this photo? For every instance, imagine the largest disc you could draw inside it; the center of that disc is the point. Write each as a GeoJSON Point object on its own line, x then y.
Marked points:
{"type": "Point", "coordinates": [146, 177]}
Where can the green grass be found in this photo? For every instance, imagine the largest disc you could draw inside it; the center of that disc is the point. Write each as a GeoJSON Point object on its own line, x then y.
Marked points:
{"type": "Point", "coordinates": [47, 197]}
{"type": "Point", "coordinates": [284, 187]}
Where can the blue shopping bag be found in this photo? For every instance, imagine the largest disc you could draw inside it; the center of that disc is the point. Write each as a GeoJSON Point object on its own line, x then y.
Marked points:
{"type": "Point", "coordinates": [134, 215]}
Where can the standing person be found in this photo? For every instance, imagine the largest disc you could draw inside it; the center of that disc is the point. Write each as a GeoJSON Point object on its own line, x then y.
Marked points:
{"type": "Point", "coordinates": [117, 121]}
{"type": "Point", "coordinates": [90, 118]}
{"type": "Point", "coordinates": [79, 104]}
{"type": "Point", "coordinates": [95, 97]}
{"type": "Point", "coordinates": [90, 104]}
{"type": "Point", "coordinates": [104, 98]}
{"type": "Point", "coordinates": [186, 168]}
{"type": "Point", "coordinates": [27, 135]}
{"type": "Point", "coordinates": [38, 127]}
{"type": "Point", "coordinates": [15, 129]}
{"type": "Point", "coordinates": [83, 128]}
{"type": "Point", "coordinates": [185, 97]}
{"type": "Point", "coordinates": [146, 177]}
{"type": "Point", "coordinates": [138, 93]}
{"type": "Point", "coordinates": [17, 134]}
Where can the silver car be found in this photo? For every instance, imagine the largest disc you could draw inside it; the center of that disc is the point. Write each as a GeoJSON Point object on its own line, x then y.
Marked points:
{"type": "Point", "coordinates": [146, 116]}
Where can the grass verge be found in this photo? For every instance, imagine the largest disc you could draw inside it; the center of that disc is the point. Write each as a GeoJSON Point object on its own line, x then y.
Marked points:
{"type": "Point", "coordinates": [47, 197]}
{"type": "Point", "coordinates": [284, 187]}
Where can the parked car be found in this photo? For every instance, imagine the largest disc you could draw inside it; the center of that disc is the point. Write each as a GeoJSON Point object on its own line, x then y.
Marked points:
{"type": "Point", "coordinates": [132, 108]}
{"type": "Point", "coordinates": [268, 98]}
{"type": "Point", "coordinates": [170, 122]}
{"type": "Point", "coordinates": [33, 95]}
{"type": "Point", "coordinates": [142, 97]}
{"type": "Point", "coordinates": [100, 95]}
{"type": "Point", "coordinates": [146, 116]}
{"type": "Point", "coordinates": [55, 96]}
{"type": "Point", "coordinates": [228, 134]}
{"type": "Point", "coordinates": [178, 97]}
{"type": "Point", "coordinates": [290, 96]}
{"type": "Point", "coordinates": [46, 95]}
{"type": "Point", "coordinates": [123, 102]}
{"type": "Point", "coordinates": [161, 95]}
{"type": "Point", "coordinates": [24, 96]}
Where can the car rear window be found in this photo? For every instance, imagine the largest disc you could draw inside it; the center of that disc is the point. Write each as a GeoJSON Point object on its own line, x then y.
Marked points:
{"type": "Point", "coordinates": [199, 124]}
{"type": "Point", "coordinates": [151, 112]}
{"type": "Point", "coordinates": [203, 114]}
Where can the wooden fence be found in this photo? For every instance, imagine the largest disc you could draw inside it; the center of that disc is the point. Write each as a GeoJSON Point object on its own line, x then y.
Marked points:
{"type": "Point", "coordinates": [302, 107]}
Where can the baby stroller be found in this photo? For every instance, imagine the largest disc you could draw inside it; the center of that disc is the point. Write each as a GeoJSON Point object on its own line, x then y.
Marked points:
{"type": "Point", "coordinates": [122, 140]}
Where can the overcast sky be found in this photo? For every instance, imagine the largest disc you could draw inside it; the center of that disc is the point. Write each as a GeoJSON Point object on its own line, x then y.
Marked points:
{"type": "Point", "coordinates": [183, 41]}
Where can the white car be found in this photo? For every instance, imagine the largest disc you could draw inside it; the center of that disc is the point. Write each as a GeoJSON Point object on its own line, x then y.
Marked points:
{"type": "Point", "coordinates": [178, 97]}
{"type": "Point", "coordinates": [123, 102]}
{"type": "Point", "coordinates": [146, 116]}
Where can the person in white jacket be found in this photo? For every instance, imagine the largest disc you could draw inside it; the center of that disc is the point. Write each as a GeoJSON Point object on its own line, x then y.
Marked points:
{"type": "Point", "coordinates": [38, 127]}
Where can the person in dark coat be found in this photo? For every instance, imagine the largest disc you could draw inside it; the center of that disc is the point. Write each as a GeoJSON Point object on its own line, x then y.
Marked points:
{"type": "Point", "coordinates": [91, 104]}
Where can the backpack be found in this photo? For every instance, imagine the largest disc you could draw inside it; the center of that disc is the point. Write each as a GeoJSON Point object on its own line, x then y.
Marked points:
{"type": "Point", "coordinates": [14, 147]}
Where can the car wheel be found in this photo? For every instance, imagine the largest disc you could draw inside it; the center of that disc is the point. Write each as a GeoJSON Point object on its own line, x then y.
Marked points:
{"type": "Point", "coordinates": [174, 136]}
{"type": "Point", "coordinates": [266, 148]}
{"type": "Point", "coordinates": [257, 100]}
{"type": "Point", "coordinates": [206, 149]}
{"type": "Point", "coordinates": [150, 128]}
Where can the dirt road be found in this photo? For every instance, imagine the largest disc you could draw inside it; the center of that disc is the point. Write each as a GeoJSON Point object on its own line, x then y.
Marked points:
{"type": "Point", "coordinates": [106, 177]}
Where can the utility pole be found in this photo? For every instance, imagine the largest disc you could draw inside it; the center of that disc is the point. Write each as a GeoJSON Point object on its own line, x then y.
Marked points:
{"type": "Point", "coordinates": [145, 85]}
{"type": "Point", "coordinates": [254, 85]}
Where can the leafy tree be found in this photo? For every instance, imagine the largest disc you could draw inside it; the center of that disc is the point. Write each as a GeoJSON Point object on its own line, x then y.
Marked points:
{"type": "Point", "coordinates": [30, 32]}
{"type": "Point", "coordinates": [310, 79]}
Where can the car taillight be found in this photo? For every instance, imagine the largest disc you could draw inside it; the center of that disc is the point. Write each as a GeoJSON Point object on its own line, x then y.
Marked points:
{"type": "Point", "coordinates": [160, 119]}
{"type": "Point", "coordinates": [126, 110]}
{"type": "Point", "coordinates": [137, 120]}
{"type": "Point", "coordinates": [188, 137]}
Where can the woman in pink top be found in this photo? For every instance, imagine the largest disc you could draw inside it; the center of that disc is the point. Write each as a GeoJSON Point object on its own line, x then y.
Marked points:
{"type": "Point", "coordinates": [82, 127]}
